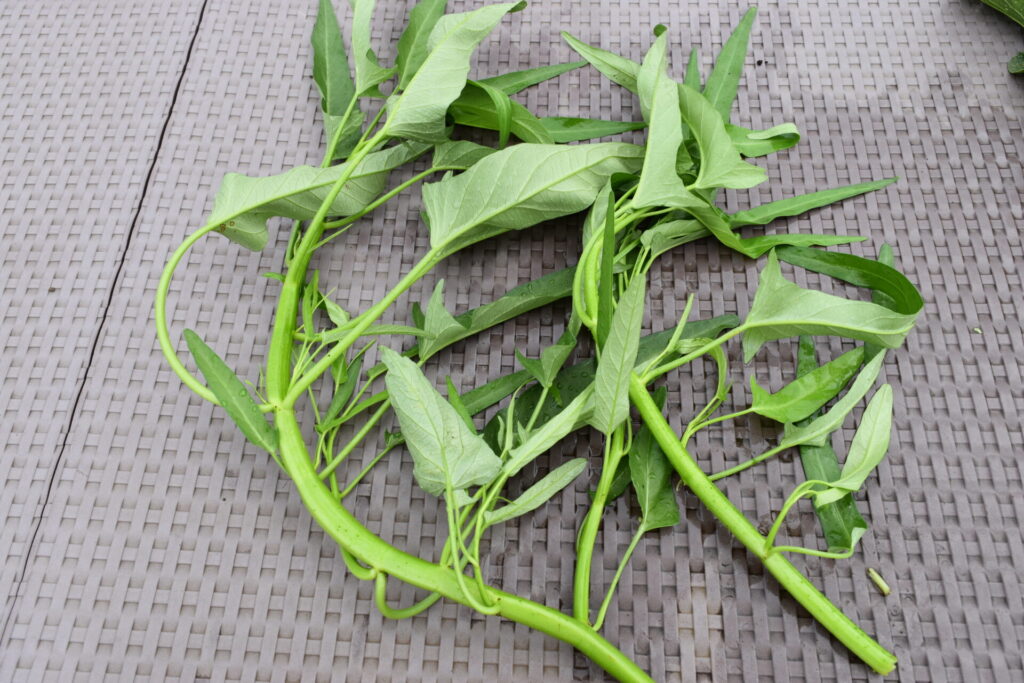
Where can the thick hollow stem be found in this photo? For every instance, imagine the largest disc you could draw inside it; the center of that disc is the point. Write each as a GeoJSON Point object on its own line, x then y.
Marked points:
{"type": "Point", "coordinates": [377, 553]}
{"type": "Point", "coordinates": [851, 635]}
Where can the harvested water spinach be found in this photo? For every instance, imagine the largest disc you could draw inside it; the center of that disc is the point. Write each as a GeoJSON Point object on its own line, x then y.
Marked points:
{"type": "Point", "coordinates": [642, 202]}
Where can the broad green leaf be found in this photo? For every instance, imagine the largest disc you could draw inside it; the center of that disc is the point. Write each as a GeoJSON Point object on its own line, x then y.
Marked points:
{"type": "Point", "coordinates": [540, 493]}
{"type": "Point", "coordinates": [720, 163]}
{"type": "Point", "coordinates": [536, 183]}
{"type": "Point", "coordinates": [441, 327]}
{"type": "Point", "coordinates": [515, 81]}
{"type": "Point", "coordinates": [782, 309]}
{"type": "Point", "coordinates": [369, 72]}
{"type": "Point", "coordinates": [868, 448]}
{"type": "Point", "coordinates": [659, 98]}
{"type": "Point", "coordinates": [412, 46]}
{"type": "Point", "coordinates": [890, 288]}
{"type": "Point", "coordinates": [330, 63]}
{"type": "Point", "coordinates": [725, 76]}
{"type": "Point", "coordinates": [1014, 9]}
{"type": "Point", "coordinates": [615, 68]}
{"type": "Point", "coordinates": [794, 206]}
{"type": "Point", "coordinates": [618, 358]}
{"type": "Point", "coordinates": [566, 129]}
{"type": "Point", "coordinates": [692, 77]}
{"type": "Point", "coordinates": [475, 108]}
{"type": "Point", "coordinates": [459, 154]}
{"type": "Point", "coordinates": [816, 431]}
{"type": "Point", "coordinates": [447, 455]}
{"type": "Point", "coordinates": [232, 394]}
{"type": "Point", "coordinates": [651, 474]}
{"type": "Point", "coordinates": [1016, 64]}
{"type": "Point", "coordinates": [502, 111]}
{"type": "Point", "coordinates": [841, 523]}
{"type": "Point", "coordinates": [758, 143]}
{"type": "Point", "coordinates": [418, 112]}
{"type": "Point", "coordinates": [802, 397]}
{"type": "Point", "coordinates": [244, 204]}
{"type": "Point", "coordinates": [551, 432]}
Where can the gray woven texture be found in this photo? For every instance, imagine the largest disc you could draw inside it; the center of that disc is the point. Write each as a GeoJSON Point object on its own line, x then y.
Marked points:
{"type": "Point", "coordinates": [141, 537]}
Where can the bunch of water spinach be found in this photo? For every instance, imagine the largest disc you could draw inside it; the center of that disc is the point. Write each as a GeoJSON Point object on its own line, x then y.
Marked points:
{"type": "Point", "coordinates": [642, 202]}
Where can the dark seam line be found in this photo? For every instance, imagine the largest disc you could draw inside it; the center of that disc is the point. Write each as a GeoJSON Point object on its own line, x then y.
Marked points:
{"type": "Point", "coordinates": [16, 595]}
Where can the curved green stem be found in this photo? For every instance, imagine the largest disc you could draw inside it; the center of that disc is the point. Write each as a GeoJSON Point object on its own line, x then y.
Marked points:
{"type": "Point", "coordinates": [606, 603]}
{"type": "Point", "coordinates": [591, 526]}
{"type": "Point", "coordinates": [350, 534]}
{"type": "Point", "coordinates": [380, 594]}
{"type": "Point", "coordinates": [851, 635]}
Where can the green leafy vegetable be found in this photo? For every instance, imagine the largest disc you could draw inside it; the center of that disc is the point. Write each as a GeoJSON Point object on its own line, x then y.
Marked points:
{"type": "Point", "coordinates": [782, 309]}
{"type": "Point", "coordinates": [724, 79]}
{"type": "Point", "coordinates": [540, 493]}
{"type": "Point", "coordinates": [330, 69]}
{"type": "Point", "coordinates": [369, 72]}
{"type": "Point", "coordinates": [447, 455]}
{"type": "Point", "coordinates": [618, 357]}
{"type": "Point", "coordinates": [807, 393]}
{"type": "Point", "coordinates": [513, 82]}
{"type": "Point", "coordinates": [617, 69]}
{"type": "Point", "coordinates": [569, 129]}
{"type": "Point", "coordinates": [232, 394]}
{"type": "Point", "coordinates": [794, 206]}
{"type": "Point", "coordinates": [412, 46]}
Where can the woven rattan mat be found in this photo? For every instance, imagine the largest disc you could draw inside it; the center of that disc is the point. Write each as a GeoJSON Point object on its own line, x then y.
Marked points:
{"type": "Point", "coordinates": [142, 538]}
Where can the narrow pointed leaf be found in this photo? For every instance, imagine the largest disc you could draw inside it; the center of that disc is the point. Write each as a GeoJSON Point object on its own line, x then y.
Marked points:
{"type": "Point", "coordinates": [515, 81]}
{"type": "Point", "coordinates": [692, 77]}
{"type": "Point", "coordinates": [651, 474]}
{"type": "Point", "coordinates": [440, 326]}
{"type": "Point", "coordinates": [418, 112]}
{"type": "Point", "coordinates": [794, 206]}
{"type": "Point", "coordinates": [456, 402]}
{"type": "Point", "coordinates": [617, 69]}
{"type": "Point", "coordinates": [330, 62]}
{"type": "Point", "coordinates": [618, 358]}
{"type": "Point", "coordinates": [475, 108]}
{"type": "Point", "coordinates": [502, 111]}
{"type": "Point", "coordinates": [344, 391]}
{"type": "Point", "coordinates": [412, 45]}
{"type": "Point", "coordinates": [759, 143]}
{"type": "Point", "coordinates": [232, 394]}
{"type": "Point", "coordinates": [841, 524]}
{"type": "Point", "coordinates": [244, 204]}
{"type": "Point", "coordinates": [720, 163]}
{"type": "Point", "coordinates": [782, 309]}
{"type": "Point", "coordinates": [447, 455]}
{"type": "Point", "coordinates": [369, 72]}
{"type": "Point", "coordinates": [551, 432]}
{"type": "Point", "coordinates": [540, 493]}
{"type": "Point", "coordinates": [867, 450]}
{"type": "Point", "coordinates": [725, 76]}
{"type": "Point", "coordinates": [537, 183]}
{"type": "Point", "coordinates": [816, 431]}
{"type": "Point", "coordinates": [807, 393]}
{"type": "Point", "coordinates": [567, 129]}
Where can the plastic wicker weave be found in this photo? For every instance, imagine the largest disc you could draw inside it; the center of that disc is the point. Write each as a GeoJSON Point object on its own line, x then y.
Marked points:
{"type": "Point", "coordinates": [141, 537]}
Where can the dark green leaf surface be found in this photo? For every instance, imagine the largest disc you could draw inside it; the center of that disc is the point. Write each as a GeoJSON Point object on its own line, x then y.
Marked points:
{"type": "Point", "coordinates": [759, 143]}
{"type": "Point", "coordinates": [841, 523]}
{"type": "Point", "coordinates": [369, 72]}
{"type": "Point", "coordinates": [412, 46]}
{"type": "Point", "coordinates": [232, 394]}
{"type": "Point", "coordinates": [794, 206]}
{"type": "Point", "coordinates": [724, 79]}
{"type": "Point", "coordinates": [618, 358]}
{"type": "Point", "coordinates": [651, 474]}
{"type": "Point", "coordinates": [567, 129]}
{"type": "Point", "coordinates": [502, 111]}
{"type": "Point", "coordinates": [330, 62]}
{"type": "Point", "coordinates": [802, 397]}
{"type": "Point", "coordinates": [475, 108]}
